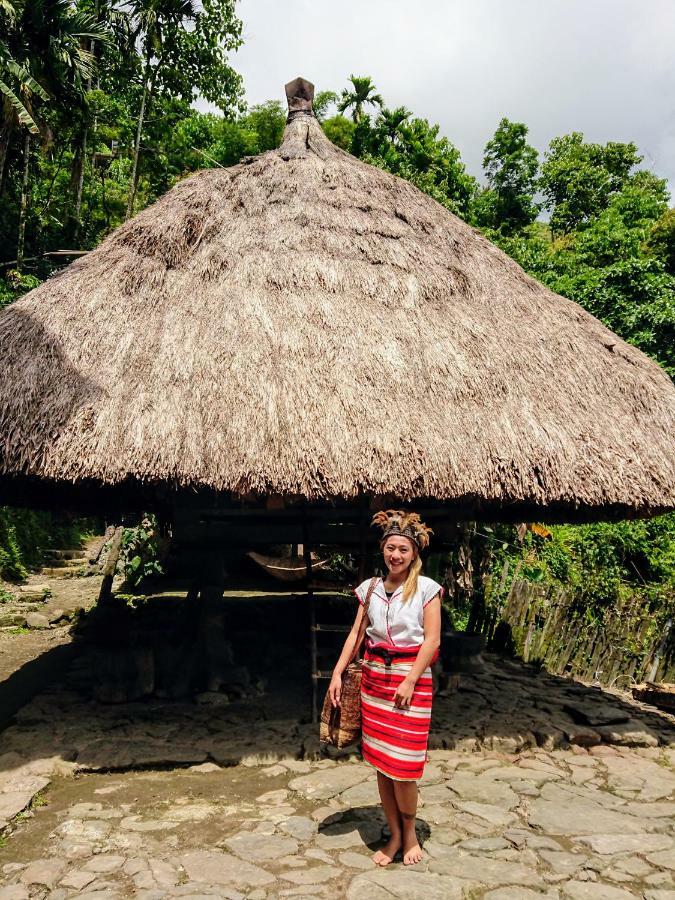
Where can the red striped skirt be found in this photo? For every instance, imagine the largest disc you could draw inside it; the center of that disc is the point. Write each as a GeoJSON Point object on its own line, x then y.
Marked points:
{"type": "Point", "coordinates": [394, 740]}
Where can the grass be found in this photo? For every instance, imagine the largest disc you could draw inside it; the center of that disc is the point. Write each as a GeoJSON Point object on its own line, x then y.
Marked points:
{"type": "Point", "coordinates": [40, 799]}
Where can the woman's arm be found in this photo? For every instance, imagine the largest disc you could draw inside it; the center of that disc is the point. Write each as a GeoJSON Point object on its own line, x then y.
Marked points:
{"type": "Point", "coordinates": [427, 651]}
{"type": "Point", "coordinates": [335, 686]}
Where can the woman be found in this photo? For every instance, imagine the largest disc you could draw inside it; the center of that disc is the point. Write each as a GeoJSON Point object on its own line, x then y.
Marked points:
{"type": "Point", "coordinates": [403, 634]}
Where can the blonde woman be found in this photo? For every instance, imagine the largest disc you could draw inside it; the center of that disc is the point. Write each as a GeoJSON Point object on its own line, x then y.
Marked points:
{"type": "Point", "coordinates": [402, 640]}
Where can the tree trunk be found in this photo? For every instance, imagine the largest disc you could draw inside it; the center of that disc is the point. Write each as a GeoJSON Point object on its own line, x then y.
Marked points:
{"type": "Point", "coordinates": [6, 129]}
{"type": "Point", "coordinates": [24, 203]}
{"type": "Point", "coordinates": [137, 143]}
{"type": "Point", "coordinates": [79, 175]}
{"type": "Point", "coordinates": [81, 157]}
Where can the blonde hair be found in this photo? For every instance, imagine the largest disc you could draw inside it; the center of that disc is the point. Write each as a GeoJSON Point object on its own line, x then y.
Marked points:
{"type": "Point", "coordinates": [414, 570]}
{"type": "Point", "coordinates": [410, 584]}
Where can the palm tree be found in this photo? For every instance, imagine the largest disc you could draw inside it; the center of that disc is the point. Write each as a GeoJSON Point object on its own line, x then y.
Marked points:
{"type": "Point", "coordinates": [363, 92]}
{"type": "Point", "coordinates": [390, 121]}
{"type": "Point", "coordinates": [17, 86]}
{"type": "Point", "coordinates": [155, 25]}
{"type": "Point", "coordinates": [42, 58]}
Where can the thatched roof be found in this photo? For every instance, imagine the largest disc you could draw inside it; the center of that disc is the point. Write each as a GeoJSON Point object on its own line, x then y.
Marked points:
{"type": "Point", "coordinates": [306, 324]}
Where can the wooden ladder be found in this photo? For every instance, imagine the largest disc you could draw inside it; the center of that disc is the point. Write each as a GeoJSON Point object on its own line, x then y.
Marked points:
{"type": "Point", "coordinates": [315, 629]}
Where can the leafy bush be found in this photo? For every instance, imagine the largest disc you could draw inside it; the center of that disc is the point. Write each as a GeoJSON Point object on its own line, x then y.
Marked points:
{"type": "Point", "coordinates": [25, 534]}
{"type": "Point", "coordinates": [139, 551]}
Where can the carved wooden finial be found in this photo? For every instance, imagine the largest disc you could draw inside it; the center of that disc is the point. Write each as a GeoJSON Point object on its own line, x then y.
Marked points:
{"type": "Point", "coordinates": [300, 94]}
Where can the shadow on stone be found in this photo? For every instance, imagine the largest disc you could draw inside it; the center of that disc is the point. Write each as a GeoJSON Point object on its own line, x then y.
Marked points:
{"type": "Point", "coordinates": [235, 688]}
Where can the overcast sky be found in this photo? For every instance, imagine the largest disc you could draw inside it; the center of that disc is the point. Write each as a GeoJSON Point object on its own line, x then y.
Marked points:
{"type": "Point", "coordinates": [603, 67]}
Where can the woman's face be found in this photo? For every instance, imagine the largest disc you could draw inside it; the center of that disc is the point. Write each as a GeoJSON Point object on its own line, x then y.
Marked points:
{"type": "Point", "coordinates": [398, 552]}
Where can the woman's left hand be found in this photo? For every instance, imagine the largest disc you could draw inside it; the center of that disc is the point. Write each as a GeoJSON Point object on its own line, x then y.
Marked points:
{"type": "Point", "coordinates": [404, 693]}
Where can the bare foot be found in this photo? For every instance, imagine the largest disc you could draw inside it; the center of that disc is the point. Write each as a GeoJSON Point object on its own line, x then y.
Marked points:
{"type": "Point", "coordinates": [412, 852]}
{"type": "Point", "coordinates": [385, 856]}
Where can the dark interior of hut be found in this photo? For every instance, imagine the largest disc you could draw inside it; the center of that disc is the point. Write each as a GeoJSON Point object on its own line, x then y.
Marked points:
{"type": "Point", "coordinates": [224, 655]}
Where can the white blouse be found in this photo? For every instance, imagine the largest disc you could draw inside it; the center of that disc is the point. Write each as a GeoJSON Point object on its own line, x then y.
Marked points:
{"type": "Point", "coordinates": [393, 622]}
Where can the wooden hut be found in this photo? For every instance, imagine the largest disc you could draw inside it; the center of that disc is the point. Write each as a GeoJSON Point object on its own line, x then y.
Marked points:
{"type": "Point", "coordinates": [303, 331]}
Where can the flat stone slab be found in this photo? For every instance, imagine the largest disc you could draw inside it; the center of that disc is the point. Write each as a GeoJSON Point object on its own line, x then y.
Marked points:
{"type": "Point", "coordinates": [104, 863]}
{"type": "Point", "coordinates": [495, 815]}
{"type": "Point", "coordinates": [44, 871]}
{"type": "Point", "coordinates": [12, 803]}
{"type": "Point", "coordinates": [519, 893]}
{"type": "Point", "coordinates": [483, 789]}
{"type": "Point", "coordinates": [300, 827]}
{"type": "Point", "coordinates": [78, 880]}
{"type": "Point", "coordinates": [485, 845]}
{"type": "Point", "coordinates": [521, 772]}
{"type": "Point", "coordinates": [629, 734]}
{"type": "Point", "coordinates": [383, 884]}
{"type": "Point", "coordinates": [315, 875]}
{"type": "Point", "coordinates": [485, 870]}
{"type": "Point", "coordinates": [363, 794]}
{"type": "Point", "coordinates": [327, 783]}
{"type": "Point", "coordinates": [216, 867]}
{"type": "Point", "coordinates": [563, 863]}
{"type": "Point", "coordinates": [606, 844]}
{"type": "Point", "coordinates": [581, 817]}
{"type": "Point", "coordinates": [249, 845]}
{"type": "Point", "coordinates": [595, 713]}
{"type": "Point", "coordinates": [356, 860]}
{"type": "Point", "coordinates": [665, 859]}
{"type": "Point", "coordinates": [592, 890]}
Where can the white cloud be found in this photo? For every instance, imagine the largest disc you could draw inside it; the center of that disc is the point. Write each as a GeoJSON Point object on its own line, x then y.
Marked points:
{"type": "Point", "coordinates": [603, 67]}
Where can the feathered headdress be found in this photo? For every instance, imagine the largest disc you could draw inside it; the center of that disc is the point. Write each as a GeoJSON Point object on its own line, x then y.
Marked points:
{"type": "Point", "coordinates": [407, 524]}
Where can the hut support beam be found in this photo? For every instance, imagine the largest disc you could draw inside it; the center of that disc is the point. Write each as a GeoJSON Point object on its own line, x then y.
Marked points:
{"type": "Point", "coordinates": [105, 594]}
{"type": "Point", "coordinates": [311, 602]}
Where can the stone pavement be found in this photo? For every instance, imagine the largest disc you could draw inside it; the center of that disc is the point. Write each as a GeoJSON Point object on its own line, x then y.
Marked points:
{"type": "Point", "coordinates": [536, 787]}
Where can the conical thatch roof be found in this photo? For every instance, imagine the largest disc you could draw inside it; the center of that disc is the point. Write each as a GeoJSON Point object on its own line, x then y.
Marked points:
{"type": "Point", "coordinates": [303, 323]}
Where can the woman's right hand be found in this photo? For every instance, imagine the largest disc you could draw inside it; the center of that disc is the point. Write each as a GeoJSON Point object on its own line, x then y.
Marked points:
{"type": "Point", "coordinates": [335, 689]}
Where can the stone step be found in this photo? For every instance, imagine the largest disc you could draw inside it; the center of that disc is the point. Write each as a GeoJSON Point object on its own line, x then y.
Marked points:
{"type": "Point", "coordinates": [62, 571]}
{"type": "Point", "coordinates": [65, 554]}
{"type": "Point", "coordinates": [66, 563]}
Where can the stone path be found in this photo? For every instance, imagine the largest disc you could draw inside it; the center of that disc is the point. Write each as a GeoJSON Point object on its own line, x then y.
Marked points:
{"type": "Point", "coordinates": [558, 824]}
{"type": "Point", "coordinates": [536, 787]}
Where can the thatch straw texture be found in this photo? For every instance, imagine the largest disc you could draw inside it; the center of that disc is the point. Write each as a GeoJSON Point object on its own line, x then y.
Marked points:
{"type": "Point", "coordinates": [305, 324]}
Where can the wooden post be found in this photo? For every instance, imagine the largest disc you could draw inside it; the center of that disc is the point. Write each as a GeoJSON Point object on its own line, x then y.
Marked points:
{"type": "Point", "coordinates": [105, 594]}
{"type": "Point", "coordinates": [363, 562]}
{"type": "Point", "coordinates": [660, 649]}
{"type": "Point", "coordinates": [307, 554]}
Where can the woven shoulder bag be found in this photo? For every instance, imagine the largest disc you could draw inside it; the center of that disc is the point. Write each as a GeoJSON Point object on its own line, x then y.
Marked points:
{"type": "Point", "coordinates": [341, 725]}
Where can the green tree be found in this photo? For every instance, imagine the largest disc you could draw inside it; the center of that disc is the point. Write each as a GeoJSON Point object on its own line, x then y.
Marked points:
{"type": "Point", "coordinates": [323, 100]}
{"type": "Point", "coordinates": [268, 122]}
{"type": "Point", "coordinates": [41, 56]}
{"type": "Point", "coordinates": [511, 166]}
{"type": "Point", "coordinates": [412, 149]}
{"type": "Point", "coordinates": [183, 52]}
{"type": "Point", "coordinates": [43, 51]}
{"type": "Point", "coordinates": [362, 92]}
{"type": "Point", "coordinates": [661, 240]}
{"type": "Point", "coordinates": [340, 131]}
{"type": "Point", "coordinates": [607, 266]}
{"type": "Point", "coordinates": [578, 178]}
{"type": "Point", "coordinates": [17, 87]}
{"type": "Point", "coordinates": [390, 124]}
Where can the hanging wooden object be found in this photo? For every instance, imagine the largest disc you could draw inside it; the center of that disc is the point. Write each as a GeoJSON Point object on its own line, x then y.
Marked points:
{"type": "Point", "coordinates": [285, 568]}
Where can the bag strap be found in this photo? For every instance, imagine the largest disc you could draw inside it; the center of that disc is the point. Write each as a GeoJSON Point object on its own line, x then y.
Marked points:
{"type": "Point", "coordinates": [364, 621]}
